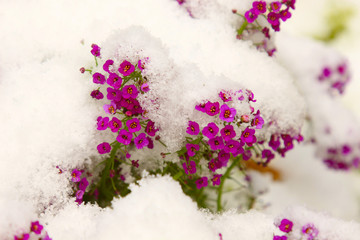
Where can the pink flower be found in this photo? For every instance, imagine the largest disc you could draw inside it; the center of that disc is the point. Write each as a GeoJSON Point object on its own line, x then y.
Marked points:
{"type": "Point", "coordinates": [216, 143]}
{"type": "Point", "coordinates": [115, 124]}
{"type": "Point", "coordinates": [275, 6]}
{"type": "Point", "coordinates": [25, 236]}
{"type": "Point", "coordinates": [201, 182]}
{"type": "Point", "coordinates": [36, 227]}
{"type": "Point", "coordinates": [258, 121]}
{"type": "Point", "coordinates": [232, 146]}
{"type": "Point", "coordinates": [251, 15]}
{"type": "Point", "coordinates": [97, 94]}
{"type": "Point", "coordinates": [150, 128]}
{"type": "Point", "coordinates": [286, 225]}
{"type": "Point", "coordinates": [310, 231]}
{"type": "Point", "coordinates": [95, 50]}
{"type": "Point", "coordinates": [124, 137]}
{"type": "Point", "coordinates": [141, 141]}
{"type": "Point", "coordinates": [227, 114]}
{"type": "Point", "coordinates": [102, 123]}
{"type": "Point", "coordinates": [75, 175]}
{"type": "Point", "coordinates": [273, 18]}
{"type": "Point", "coordinates": [190, 167]}
{"type": "Point", "coordinates": [247, 155]}
{"type": "Point", "coordinates": [280, 238]}
{"type": "Point", "coordinates": [210, 130]}
{"type": "Point", "coordinates": [248, 136]}
{"type": "Point", "coordinates": [191, 148]}
{"type": "Point", "coordinates": [259, 7]}
{"type": "Point", "coordinates": [145, 87]}
{"type": "Point", "coordinates": [193, 128]}
{"type": "Point", "coordinates": [83, 184]}
{"type": "Point", "coordinates": [98, 78]}
{"type": "Point", "coordinates": [225, 96]}
{"type": "Point", "coordinates": [216, 179]}
{"type": "Point", "coordinates": [126, 68]}
{"type": "Point", "coordinates": [214, 164]}
{"type": "Point", "coordinates": [104, 148]}
{"type": "Point", "coordinates": [223, 158]}
{"type": "Point", "coordinates": [228, 132]}
{"type": "Point", "coordinates": [133, 125]}
{"type": "Point", "coordinates": [201, 107]}
{"type": "Point", "coordinates": [107, 65]}
{"type": "Point", "coordinates": [212, 108]}
{"type": "Point", "coordinates": [110, 108]}
{"type": "Point", "coordinates": [129, 91]}
{"type": "Point", "coordinates": [289, 3]}
{"type": "Point", "coordinates": [266, 153]}
{"type": "Point", "coordinates": [79, 194]}
{"type": "Point", "coordinates": [285, 14]}
{"type": "Point", "coordinates": [274, 142]}
{"type": "Point", "coordinates": [114, 80]}
{"type": "Point", "coordinates": [113, 94]}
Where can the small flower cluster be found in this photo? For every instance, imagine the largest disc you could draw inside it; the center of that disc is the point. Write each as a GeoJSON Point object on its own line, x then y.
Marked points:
{"type": "Point", "coordinates": [81, 184]}
{"type": "Point", "coordinates": [336, 77]}
{"type": "Point", "coordinates": [342, 158]}
{"type": "Point", "coordinates": [308, 231]}
{"type": "Point", "coordinates": [257, 29]}
{"type": "Point", "coordinates": [36, 228]}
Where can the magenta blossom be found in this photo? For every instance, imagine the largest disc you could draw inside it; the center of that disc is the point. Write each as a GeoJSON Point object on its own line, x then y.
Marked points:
{"type": "Point", "coordinates": [228, 132]}
{"type": "Point", "coordinates": [259, 7]}
{"type": "Point", "coordinates": [285, 14]}
{"type": "Point", "coordinates": [36, 227]}
{"type": "Point", "coordinates": [130, 91]}
{"type": "Point", "coordinates": [102, 123]}
{"type": "Point", "coordinates": [104, 148]}
{"type": "Point", "coordinates": [201, 107]}
{"type": "Point", "coordinates": [232, 146]}
{"type": "Point", "coordinates": [95, 50]}
{"type": "Point", "coordinates": [258, 121]}
{"type": "Point", "coordinates": [247, 154]}
{"type": "Point", "coordinates": [210, 130]}
{"type": "Point", "coordinates": [141, 141]}
{"type": "Point", "coordinates": [189, 168]}
{"type": "Point", "coordinates": [286, 225]}
{"type": "Point", "coordinates": [274, 142]}
{"type": "Point", "coordinates": [25, 236]}
{"type": "Point", "coordinates": [114, 80]}
{"type": "Point", "coordinates": [191, 149]}
{"type": "Point", "coordinates": [223, 158]}
{"type": "Point", "coordinates": [83, 184]}
{"type": "Point", "coordinates": [133, 125]}
{"type": "Point", "coordinates": [75, 175]}
{"type": "Point", "coordinates": [275, 6]}
{"type": "Point", "coordinates": [115, 124]}
{"type": "Point", "coordinates": [266, 153]}
{"type": "Point", "coordinates": [124, 137]}
{"type": "Point", "coordinates": [97, 94]}
{"type": "Point", "coordinates": [216, 143]}
{"type": "Point", "coordinates": [150, 129]}
{"type": "Point", "coordinates": [227, 114]}
{"type": "Point", "coordinates": [225, 96]}
{"type": "Point", "coordinates": [201, 182]}
{"type": "Point", "coordinates": [212, 108]}
{"type": "Point", "coordinates": [79, 194]}
{"type": "Point", "coordinates": [145, 87]}
{"type": "Point", "coordinates": [310, 231]}
{"type": "Point", "coordinates": [113, 94]}
{"type": "Point", "coordinates": [126, 68]}
{"type": "Point", "coordinates": [107, 65]}
{"type": "Point", "coordinates": [248, 136]}
{"type": "Point", "coordinates": [193, 128]}
{"type": "Point", "coordinates": [251, 15]}
{"type": "Point", "coordinates": [98, 78]}
{"type": "Point", "coordinates": [214, 164]}
{"type": "Point", "coordinates": [280, 238]}
{"type": "Point", "coordinates": [216, 179]}
{"type": "Point", "coordinates": [273, 18]}
{"type": "Point", "coordinates": [110, 108]}
{"type": "Point", "coordinates": [289, 3]}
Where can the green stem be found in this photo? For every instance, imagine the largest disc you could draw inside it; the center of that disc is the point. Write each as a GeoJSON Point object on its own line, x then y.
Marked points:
{"type": "Point", "coordinates": [242, 28]}
{"type": "Point", "coordinates": [96, 61]}
{"type": "Point", "coordinates": [224, 177]}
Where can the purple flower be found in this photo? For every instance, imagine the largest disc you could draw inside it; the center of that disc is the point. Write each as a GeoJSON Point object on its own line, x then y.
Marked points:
{"type": "Point", "coordinates": [247, 155]}
{"type": "Point", "coordinates": [280, 238]}
{"type": "Point", "coordinates": [107, 65]}
{"type": "Point", "coordinates": [286, 225]}
{"type": "Point", "coordinates": [36, 227]}
{"type": "Point", "coordinates": [133, 125]}
{"type": "Point", "coordinates": [145, 87]}
{"type": "Point", "coordinates": [130, 91]}
{"type": "Point", "coordinates": [250, 96]}
{"type": "Point", "coordinates": [225, 96]}
{"type": "Point", "coordinates": [201, 107]}
{"type": "Point", "coordinates": [46, 237]}
{"type": "Point", "coordinates": [216, 179]}
{"type": "Point", "coordinates": [289, 3]}
{"type": "Point", "coordinates": [285, 14]}
{"type": "Point", "coordinates": [126, 68]}
{"type": "Point", "coordinates": [151, 143]}
{"type": "Point", "coordinates": [191, 148]}
{"type": "Point", "coordinates": [248, 136]}
{"type": "Point", "coordinates": [104, 148]}
{"type": "Point", "coordinates": [258, 121]}
{"type": "Point", "coordinates": [150, 128]}
{"type": "Point", "coordinates": [113, 94]}
{"type": "Point", "coordinates": [310, 231]}
{"type": "Point", "coordinates": [276, 29]}
{"type": "Point", "coordinates": [102, 123]}
{"type": "Point", "coordinates": [189, 168]}
{"type": "Point", "coordinates": [273, 18]}
{"type": "Point", "coordinates": [214, 164]}
{"type": "Point", "coordinates": [232, 146]}
{"type": "Point", "coordinates": [97, 94]}
{"type": "Point", "coordinates": [193, 128]}
{"type": "Point", "coordinates": [239, 149]}
{"type": "Point", "coordinates": [212, 108]}
{"type": "Point", "coordinates": [288, 141]}
{"type": "Point", "coordinates": [79, 194]}
{"type": "Point", "coordinates": [275, 6]}
{"type": "Point", "coordinates": [266, 153]}
{"type": "Point", "coordinates": [265, 31]}
{"type": "Point", "coordinates": [95, 50]}
{"type": "Point", "coordinates": [141, 141]}
{"type": "Point", "coordinates": [227, 114]}
{"type": "Point", "coordinates": [75, 175]}
{"type": "Point", "coordinates": [124, 137]}
{"type": "Point", "coordinates": [259, 7]}
{"type": "Point", "coordinates": [346, 149]}
{"type": "Point", "coordinates": [223, 158]}
{"type": "Point", "coordinates": [115, 124]}
{"type": "Point", "coordinates": [98, 78]}
{"type": "Point", "coordinates": [210, 130]}
{"type": "Point", "coordinates": [251, 15]}
{"type": "Point", "coordinates": [201, 182]}
{"type": "Point", "coordinates": [114, 80]}
{"type": "Point", "coordinates": [274, 142]}
{"type": "Point", "coordinates": [110, 108]}
{"type": "Point", "coordinates": [83, 184]}
{"type": "Point", "coordinates": [25, 236]}
{"type": "Point", "coordinates": [216, 143]}
{"type": "Point", "coordinates": [228, 132]}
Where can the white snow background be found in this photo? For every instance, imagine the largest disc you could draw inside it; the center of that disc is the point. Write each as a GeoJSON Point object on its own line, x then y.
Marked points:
{"type": "Point", "coordinates": [48, 119]}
